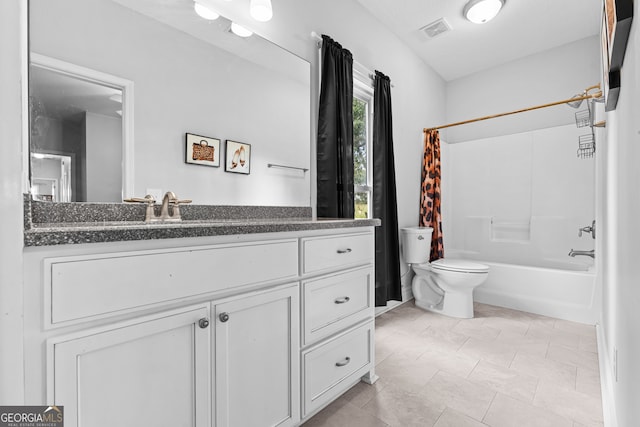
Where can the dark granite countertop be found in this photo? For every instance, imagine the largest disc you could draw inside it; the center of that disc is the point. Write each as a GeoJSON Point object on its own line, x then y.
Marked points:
{"type": "Point", "coordinates": [48, 223]}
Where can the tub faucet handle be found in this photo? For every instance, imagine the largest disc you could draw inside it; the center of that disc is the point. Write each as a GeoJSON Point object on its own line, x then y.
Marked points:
{"type": "Point", "coordinates": [588, 229]}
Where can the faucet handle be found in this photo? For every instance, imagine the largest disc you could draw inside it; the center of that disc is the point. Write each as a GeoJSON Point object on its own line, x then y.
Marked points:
{"type": "Point", "coordinates": [589, 229]}
{"type": "Point", "coordinates": [150, 214]}
{"type": "Point", "coordinates": [181, 202]}
{"type": "Point", "coordinates": [146, 199]}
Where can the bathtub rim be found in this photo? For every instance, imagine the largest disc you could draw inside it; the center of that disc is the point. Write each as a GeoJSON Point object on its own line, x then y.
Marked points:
{"type": "Point", "coordinates": [549, 299]}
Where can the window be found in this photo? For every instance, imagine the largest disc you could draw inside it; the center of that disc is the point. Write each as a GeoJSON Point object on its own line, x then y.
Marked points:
{"type": "Point", "coordinates": [362, 148]}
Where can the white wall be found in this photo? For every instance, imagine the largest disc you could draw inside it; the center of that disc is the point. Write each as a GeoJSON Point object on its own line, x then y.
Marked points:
{"type": "Point", "coordinates": [621, 231]}
{"type": "Point", "coordinates": [12, 162]}
{"type": "Point", "coordinates": [549, 76]}
{"type": "Point", "coordinates": [520, 197]}
{"type": "Point", "coordinates": [104, 181]}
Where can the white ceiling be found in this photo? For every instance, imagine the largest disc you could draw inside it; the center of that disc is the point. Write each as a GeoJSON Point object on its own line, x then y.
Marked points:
{"type": "Point", "coordinates": [522, 28]}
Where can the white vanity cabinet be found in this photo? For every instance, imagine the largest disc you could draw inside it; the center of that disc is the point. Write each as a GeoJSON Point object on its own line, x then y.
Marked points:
{"type": "Point", "coordinates": [241, 330]}
{"type": "Point", "coordinates": [337, 316]}
{"type": "Point", "coordinates": [153, 371]}
{"type": "Point", "coordinates": [256, 351]}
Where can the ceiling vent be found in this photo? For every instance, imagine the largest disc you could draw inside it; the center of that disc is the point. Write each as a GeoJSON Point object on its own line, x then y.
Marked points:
{"type": "Point", "coordinates": [436, 28]}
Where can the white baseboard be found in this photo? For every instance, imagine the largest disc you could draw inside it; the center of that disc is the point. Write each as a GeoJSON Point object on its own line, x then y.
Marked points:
{"type": "Point", "coordinates": [607, 379]}
{"type": "Point", "coordinates": [390, 306]}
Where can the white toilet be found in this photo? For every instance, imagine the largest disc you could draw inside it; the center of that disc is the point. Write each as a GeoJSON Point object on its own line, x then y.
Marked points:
{"type": "Point", "coordinates": [444, 286]}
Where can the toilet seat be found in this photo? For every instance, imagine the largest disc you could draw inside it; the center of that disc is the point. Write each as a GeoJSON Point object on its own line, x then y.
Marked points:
{"type": "Point", "coordinates": [459, 266]}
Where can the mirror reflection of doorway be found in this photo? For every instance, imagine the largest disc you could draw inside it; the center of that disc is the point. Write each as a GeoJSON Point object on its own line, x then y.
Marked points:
{"type": "Point", "coordinates": [79, 112]}
{"type": "Point", "coordinates": [51, 177]}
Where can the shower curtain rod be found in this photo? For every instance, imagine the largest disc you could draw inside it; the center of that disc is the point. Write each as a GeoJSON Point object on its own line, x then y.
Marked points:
{"type": "Point", "coordinates": [585, 95]}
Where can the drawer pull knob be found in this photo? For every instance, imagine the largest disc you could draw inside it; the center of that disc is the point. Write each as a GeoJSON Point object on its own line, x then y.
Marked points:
{"type": "Point", "coordinates": [224, 317]}
{"type": "Point", "coordinates": [342, 300]}
{"type": "Point", "coordinates": [204, 322]}
{"type": "Point", "coordinates": [344, 251]}
{"type": "Point", "coordinates": [345, 362]}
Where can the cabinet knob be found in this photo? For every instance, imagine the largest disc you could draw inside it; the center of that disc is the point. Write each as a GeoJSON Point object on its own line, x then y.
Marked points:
{"type": "Point", "coordinates": [204, 322]}
{"type": "Point", "coordinates": [224, 317]}
{"type": "Point", "coordinates": [344, 251]}
{"type": "Point", "coordinates": [345, 362]}
{"type": "Point", "coordinates": [342, 300]}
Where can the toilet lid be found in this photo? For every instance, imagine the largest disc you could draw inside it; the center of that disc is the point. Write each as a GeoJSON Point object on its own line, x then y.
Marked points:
{"type": "Point", "coordinates": [459, 265]}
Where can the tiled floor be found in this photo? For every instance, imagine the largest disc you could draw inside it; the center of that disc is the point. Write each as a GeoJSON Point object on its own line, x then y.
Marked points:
{"type": "Point", "coordinates": [503, 368]}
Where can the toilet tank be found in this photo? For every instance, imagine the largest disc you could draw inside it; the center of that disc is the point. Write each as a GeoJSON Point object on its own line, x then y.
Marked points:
{"type": "Point", "coordinates": [416, 244]}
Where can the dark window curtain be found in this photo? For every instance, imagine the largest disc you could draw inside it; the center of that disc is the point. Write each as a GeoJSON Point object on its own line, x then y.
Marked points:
{"type": "Point", "coordinates": [335, 133]}
{"type": "Point", "coordinates": [387, 258]}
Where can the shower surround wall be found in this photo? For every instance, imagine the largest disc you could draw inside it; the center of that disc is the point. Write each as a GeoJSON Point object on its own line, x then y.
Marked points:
{"type": "Point", "coordinates": [520, 197]}
{"type": "Point", "coordinates": [515, 202]}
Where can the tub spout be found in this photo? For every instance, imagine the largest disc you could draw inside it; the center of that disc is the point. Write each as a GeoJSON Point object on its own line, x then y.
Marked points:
{"type": "Point", "coordinates": [590, 253]}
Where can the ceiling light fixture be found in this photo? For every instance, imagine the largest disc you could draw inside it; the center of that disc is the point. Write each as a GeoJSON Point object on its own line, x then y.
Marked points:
{"type": "Point", "coordinates": [481, 11]}
{"type": "Point", "coordinates": [240, 31]}
{"type": "Point", "coordinates": [205, 12]}
{"type": "Point", "coordinates": [261, 10]}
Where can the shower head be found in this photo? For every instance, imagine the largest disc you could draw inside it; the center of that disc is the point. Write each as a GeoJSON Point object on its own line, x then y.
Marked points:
{"type": "Point", "coordinates": [578, 102]}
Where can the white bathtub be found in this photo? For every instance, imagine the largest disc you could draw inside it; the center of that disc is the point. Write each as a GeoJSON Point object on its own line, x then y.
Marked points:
{"type": "Point", "coordinates": [564, 289]}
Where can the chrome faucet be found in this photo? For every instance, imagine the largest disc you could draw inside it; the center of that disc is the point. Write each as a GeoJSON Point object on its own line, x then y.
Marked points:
{"type": "Point", "coordinates": [169, 203]}
{"type": "Point", "coordinates": [591, 253]}
{"type": "Point", "coordinates": [588, 229]}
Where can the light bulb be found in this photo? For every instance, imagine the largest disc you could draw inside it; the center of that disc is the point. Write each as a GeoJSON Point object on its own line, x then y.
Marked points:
{"type": "Point", "coordinates": [261, 10]}
{"type": "Point", "coordinates": [240, 31]}
{"type": "Point", "coordinates": [204, 12]}
{"type": "Point", "coordinates": [482, 11]}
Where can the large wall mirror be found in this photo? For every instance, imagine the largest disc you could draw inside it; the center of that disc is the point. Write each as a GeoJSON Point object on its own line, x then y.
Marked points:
{"type": "Point", "coordinates": [93, 140]}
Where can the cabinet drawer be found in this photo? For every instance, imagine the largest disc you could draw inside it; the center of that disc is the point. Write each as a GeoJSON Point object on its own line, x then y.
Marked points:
{"type": "Point", "coordinates": [333, 367]}
{"type": "Point", "coordinates": [94, 285]}
{"type": "Point", "coordinates": [336, 302]}
{"type": "Point", "coordinates": [328, 253]}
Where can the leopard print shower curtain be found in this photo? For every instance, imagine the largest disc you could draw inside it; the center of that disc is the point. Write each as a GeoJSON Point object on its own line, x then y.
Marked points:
{"type": "Point", "coordinates": [430, 213]}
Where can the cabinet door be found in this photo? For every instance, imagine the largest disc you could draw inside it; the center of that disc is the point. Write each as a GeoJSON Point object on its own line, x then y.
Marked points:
{"type": "Point", "coordinates": [153, 371]}
{"type": "Point", "coordinates": [256, 360]}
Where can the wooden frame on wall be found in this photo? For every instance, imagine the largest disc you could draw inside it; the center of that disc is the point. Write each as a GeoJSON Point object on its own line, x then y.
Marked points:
{"type": "Point", "coordinates": [616, 25]}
